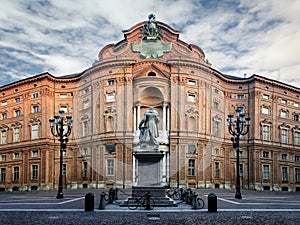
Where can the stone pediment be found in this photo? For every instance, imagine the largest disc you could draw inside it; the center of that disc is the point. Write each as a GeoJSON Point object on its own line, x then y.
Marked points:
{"type": "Point", "coordinates": [152, 68]}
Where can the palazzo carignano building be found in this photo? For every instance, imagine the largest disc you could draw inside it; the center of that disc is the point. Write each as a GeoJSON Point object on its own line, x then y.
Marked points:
{"type": "Point", "coordinates": [151, 66]}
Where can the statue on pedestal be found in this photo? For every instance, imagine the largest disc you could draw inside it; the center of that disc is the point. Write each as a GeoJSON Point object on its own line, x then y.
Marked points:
{"type": "Point", "coordinates": [149, 128]}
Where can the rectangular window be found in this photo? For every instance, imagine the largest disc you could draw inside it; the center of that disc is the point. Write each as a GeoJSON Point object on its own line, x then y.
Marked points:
{"type": "Point", "coordinates": [241, 109]}
{"type": "Point", "coordinates": [4, 103]}
{"type": "Point", "coordinates": [241, 154]}
{"type": "Point", "coordinates": [35, 153]}
{"type": "Point", "coordinates": [217, 128]}
{"type": "Point", "coordinates": [297, 138]}
{"type": "Point", "coordinates": [17, 99]}
{"type": "Point", "coordinates": [283, 114]}
{"type": "Point", "coordinates": [16, 173]}
{"type": "Point", "coordinates": [216, 105]}
{"type": "Point", "coordinates": [18, 113]}
{"type": "Point", "coordinates": [110, 167]}
{"type": "Point", "coordinates": [217, 170]}
{"type": "Point", "coordinates": [63, 108]}
{"type": "Point", "coordinates": [285, 176]}
{"type": "Point", "coordinates": [191, 98]}
{"type": "Point", "coordinates": [265, 110]}
{"type": "Point", "coordinates": [265, 96]}
{"type": "Point", "coordinates": [241, 170]}
{"type": "Point", "coordinates": [266, 154]}
{"type": "Point", "coordinates": [85, 128]}
{"type": "Point", "coordinates": [3, 137]}
{"type": "Point", "coordinates": [17, 155]}
{"type": "Point", "coordinates": [2, 175]}
{"type": "Point", "coordinates": [3, 157]}
{"type": "Point", "coordinates": [86, 104]}
{"type": "Point", "coordinates": [34, 131]}
{"type": "Point", "coordinates": [296, 117]}
{"type": "Point", "coordinates": [296, 104]}
{"type": "Point", "coordinates": [297, 175]}
{"type": "Point", "coordinates": [35, 95]}
{"type": "Point", "coordinates": [297, 158]}
{"type": "Point", "coordinates": [35, 108]}
{"type": "Point", "coordinates": [4, 116]}
{"type": "Point", "coordinates": [191, 167]}
{"type": "Point", "coordinates": [284, 101]}
{"type": "Point", "coordinates": [111, 82]}
{"type": "Point", "coordinates": [241, 96]}
{"type": "Point", "coordinates": [266, 133]}
{"type": "Point", "coordinates": [34, 172]}
{"type": "Point", "coordinates": [266, 172]}
{"type": "Point", "coordinates": [63, 95]}
{"type": "Point", "coordinates": [110, 97]}
{"type": "Point", "coordinates": [85, 170]}
{"type": "Point", "coordinates": [16, 134]}
{"type": "Point", "coordinates": [284, 157]}
{"type": "Point", "coordinates": [64, 170]}
{"type": "Point", "coordinates": [192, 82]}
{"type": "Point", "coordinates": [284, 136]}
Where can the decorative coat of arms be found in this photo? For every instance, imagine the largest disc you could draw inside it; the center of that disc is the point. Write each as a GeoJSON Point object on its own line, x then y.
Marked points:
{"type": "Point", "coordinates": [151, 46]}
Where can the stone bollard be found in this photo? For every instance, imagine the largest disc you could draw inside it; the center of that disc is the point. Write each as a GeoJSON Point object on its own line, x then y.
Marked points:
{"type": "Point", "coordinates": [102, 201]}
{"type": "Point", "coordinates": [89, 202]}
{"type": "Point", "coordinates": [212, 202]}
{"type": "Point", "coordinates": [194, 201]}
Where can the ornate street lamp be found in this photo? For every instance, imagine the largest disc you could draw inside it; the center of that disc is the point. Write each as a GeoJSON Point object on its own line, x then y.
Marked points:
{"type": "Point", "coordinates": [237, 128]}
{"type": "Point", "coordinates": [62, 130]}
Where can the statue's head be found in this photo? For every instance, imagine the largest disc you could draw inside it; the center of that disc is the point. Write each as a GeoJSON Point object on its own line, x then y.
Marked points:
{"type": "Point", "coordinates": [151, 17]}
{"type": "Point", "coordinates": [151, 108]}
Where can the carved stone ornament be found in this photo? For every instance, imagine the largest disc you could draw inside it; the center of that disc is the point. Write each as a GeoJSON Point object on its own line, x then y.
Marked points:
{"type": "Point", "coordinates": [151, 46]}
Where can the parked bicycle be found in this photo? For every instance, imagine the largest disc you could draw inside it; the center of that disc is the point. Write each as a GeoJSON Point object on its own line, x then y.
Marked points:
{"type": "Point", "coordinates": [174, 193]}
{"type": "Point", "coordinates": [145, 202]}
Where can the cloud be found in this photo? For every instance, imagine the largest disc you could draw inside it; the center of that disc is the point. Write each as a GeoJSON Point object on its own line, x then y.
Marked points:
{"type": "Point", "coordinates": [64, 37]}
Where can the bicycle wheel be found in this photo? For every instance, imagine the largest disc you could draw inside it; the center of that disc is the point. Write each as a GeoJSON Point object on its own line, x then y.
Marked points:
{"type": "Point", "coordinates": [152, 204]}
{"type": "Point", "coordinates": [176, 196]}
{"type": "Point", "coordinates": [132, 204]}
{"type": "Point", "coordinates": [200, 203]}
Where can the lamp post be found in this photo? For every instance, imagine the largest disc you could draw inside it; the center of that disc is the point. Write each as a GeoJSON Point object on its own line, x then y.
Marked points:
{"type": "Point", "coordinates": [62, 130]}
{"type": "Point", "coordinates": [237, 128]}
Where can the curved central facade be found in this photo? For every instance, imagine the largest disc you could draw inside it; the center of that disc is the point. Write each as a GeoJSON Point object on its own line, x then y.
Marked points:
{"type": "Point", "coordinates": [151, 66]}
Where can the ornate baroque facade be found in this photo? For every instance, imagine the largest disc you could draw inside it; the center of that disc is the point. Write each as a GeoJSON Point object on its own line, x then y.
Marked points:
{"type": "Point", "coordinates": [150, 67]}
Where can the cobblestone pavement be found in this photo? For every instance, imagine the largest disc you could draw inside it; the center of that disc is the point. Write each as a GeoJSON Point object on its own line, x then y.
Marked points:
{"type": "Point", "coordinates": [42, 207]}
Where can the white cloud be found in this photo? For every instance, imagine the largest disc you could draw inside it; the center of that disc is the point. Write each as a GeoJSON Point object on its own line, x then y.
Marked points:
{"type": "Point", "coordinates": [65, 37]}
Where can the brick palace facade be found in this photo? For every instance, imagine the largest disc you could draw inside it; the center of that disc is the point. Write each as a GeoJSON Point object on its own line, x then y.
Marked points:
{"type": "Point", "coordinates": [151, 66]}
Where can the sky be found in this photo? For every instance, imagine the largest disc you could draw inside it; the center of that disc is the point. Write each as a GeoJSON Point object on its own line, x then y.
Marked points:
{"type": "Point", "coordinates": [65, 36]}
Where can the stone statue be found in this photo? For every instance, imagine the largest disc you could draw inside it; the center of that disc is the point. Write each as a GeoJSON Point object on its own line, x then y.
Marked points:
{"type": "Point", "coordinates": [151, 30]}
{"type": "Point", "coordinates": [149, 127]}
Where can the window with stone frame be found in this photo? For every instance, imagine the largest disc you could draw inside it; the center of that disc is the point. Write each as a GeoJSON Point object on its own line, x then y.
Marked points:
{"type": "Point", "coordinates": [34, 172]}
{"type": "Point", "coordinates": [2, 174]}
{"type": "Point", "coordinates": [34, 131]}
{"type": "Point", "coordinates": [297, 138]}
{"type": "Point", "coordinates": [266, 132]}
{"type": "Point", "coordinates": [110, 167]}
{"type": "Point", "coordinates": [266, 172]}
{"type": "Point", "coordinates": [297, 175]}
{"type": "Point", "coordinates": [265, 110]}
{"type": "Point", "coordinates": [285, 176]}
{"type": "Point", "coordinates": [191, 167]}
{"type": "Point", "coordinates": [3, 137]}
{"type": "Point", "coordinates": [283, 114]}
{"type": "Point", "coordinates": [16, 173]}
{"type": "Point", "coordinates": [217, 170]}
{"type": "Point", "coordinates": [16, 134]}
{"type": "Point", "coordinates": [85, 170]}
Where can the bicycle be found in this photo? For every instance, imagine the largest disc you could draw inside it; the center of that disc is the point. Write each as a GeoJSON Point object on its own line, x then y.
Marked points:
{"type": "Point", "coordinates": [174, 195]}
{"type": "Point", "coordinates": [143, 202]}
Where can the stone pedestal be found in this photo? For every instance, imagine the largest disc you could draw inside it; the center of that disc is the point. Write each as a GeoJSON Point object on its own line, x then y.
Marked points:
{"type": "Point", "coordinates": [149, 171]}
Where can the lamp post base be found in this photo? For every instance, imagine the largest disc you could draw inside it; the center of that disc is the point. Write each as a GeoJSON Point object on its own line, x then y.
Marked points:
{"type": "Point", "coordinates": [60, 193]}
{"type": "Point", "coordinates": [238, 194]}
